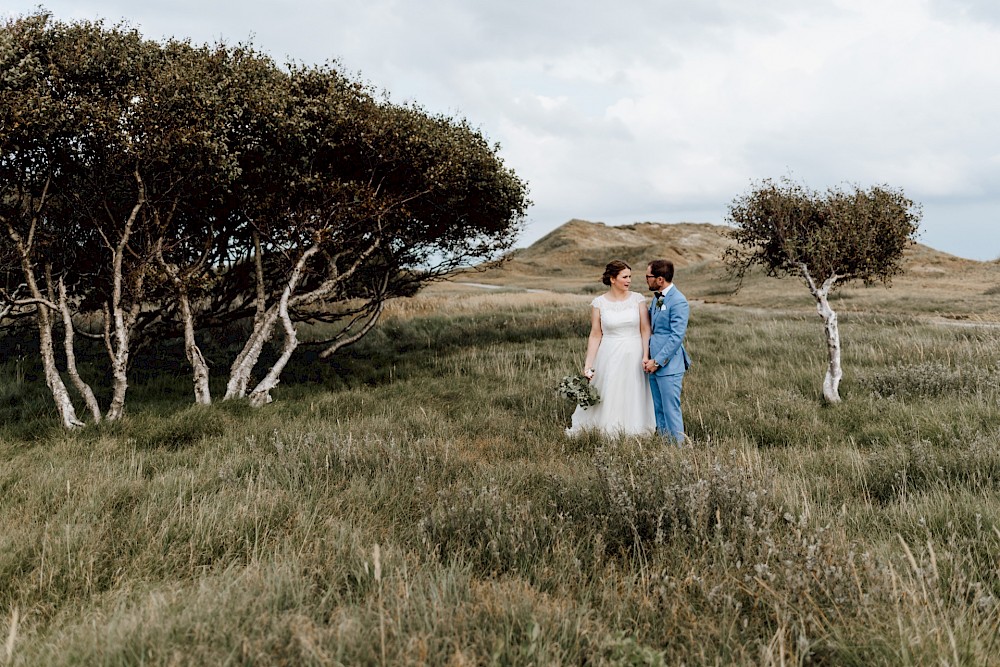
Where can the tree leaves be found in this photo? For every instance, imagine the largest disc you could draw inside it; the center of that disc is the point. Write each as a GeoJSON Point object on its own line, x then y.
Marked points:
{"type": "Point", "coordinates": [851, 233]}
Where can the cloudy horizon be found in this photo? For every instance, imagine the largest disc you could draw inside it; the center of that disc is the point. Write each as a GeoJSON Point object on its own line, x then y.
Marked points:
{"type": "Point", "coordinates": [665, 110]}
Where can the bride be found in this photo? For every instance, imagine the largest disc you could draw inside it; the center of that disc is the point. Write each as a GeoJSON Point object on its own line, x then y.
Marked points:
{"type": "Point", "coordinates": [616, 349]}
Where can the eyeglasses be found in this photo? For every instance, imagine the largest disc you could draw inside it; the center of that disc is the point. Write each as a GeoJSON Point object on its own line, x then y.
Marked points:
{"type": "Point", "coordinates": [649, 276]}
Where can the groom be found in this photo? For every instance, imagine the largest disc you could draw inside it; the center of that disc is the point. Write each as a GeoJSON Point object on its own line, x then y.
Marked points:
{"type": "Point", "coordinates": [668, 359]}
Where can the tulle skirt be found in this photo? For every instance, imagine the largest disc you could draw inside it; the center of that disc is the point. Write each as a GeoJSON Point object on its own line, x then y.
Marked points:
{"type": "Point", "coordinates": [626, 406]}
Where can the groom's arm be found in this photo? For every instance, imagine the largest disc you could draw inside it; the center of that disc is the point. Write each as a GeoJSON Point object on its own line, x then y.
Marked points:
{"type": "Point", "coordinates": [678, 315]}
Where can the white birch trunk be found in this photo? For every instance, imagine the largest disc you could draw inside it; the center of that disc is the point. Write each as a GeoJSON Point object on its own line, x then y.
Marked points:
{"type": "Point", "coordinates": [261, 395]}
{"type": "Point", "coordinates": [123, 321]}
{"type": "Point", "coordinates": [119, 366]}
{"type": "Point", "coordinates": [834, 372]}
{"type": "Point", "coordinates": [71, 369]}
{"type": "Point", "coordinates": [831, 383]}
{"type": "Point", "coordinates": [119, 350]}
{"type": "Point", "coordinates": [64, 405]}
{"type": "Point", "coordinates": [239, 372]}
{"type": "Point", "coordinates": [199, 367]}
{"type": "Point", "coordinates": [239, 376]}
{"type": "Point", "coordinates": [265, 320]}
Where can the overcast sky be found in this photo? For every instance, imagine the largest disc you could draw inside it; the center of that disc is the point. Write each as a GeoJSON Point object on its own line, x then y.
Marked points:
{"type": "Point", "coordinates": [665, 110]}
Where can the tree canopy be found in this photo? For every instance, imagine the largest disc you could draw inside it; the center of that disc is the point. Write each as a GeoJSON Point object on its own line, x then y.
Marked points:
{"type": "Point", "coordinates": [847, 233]}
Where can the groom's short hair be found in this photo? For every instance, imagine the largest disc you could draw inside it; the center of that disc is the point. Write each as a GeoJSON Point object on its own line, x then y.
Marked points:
{"type": "Point", "coordinates": [662, 268]}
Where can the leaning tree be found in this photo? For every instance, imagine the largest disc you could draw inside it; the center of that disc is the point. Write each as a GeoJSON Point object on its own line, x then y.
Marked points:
{"type": "Point", "coordinates": [160, 187]}
{"type": "Point", "coordinates": [116, 157]}
{"type": "Point", "coordinates": [193, 121]}
{"type": "Point", "coordinates": [361, 200]}
{"type": "Point", "coordinates": [44, 65]}
{"type": "Point", "coordinates": [828, 238]}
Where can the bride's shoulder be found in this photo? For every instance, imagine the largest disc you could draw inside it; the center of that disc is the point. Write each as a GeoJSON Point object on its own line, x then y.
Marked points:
{"type": "Point", "coordinates": [637, 297]}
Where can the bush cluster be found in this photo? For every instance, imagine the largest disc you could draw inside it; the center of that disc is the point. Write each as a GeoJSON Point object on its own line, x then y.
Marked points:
{"type": "Point", "coordinates": [931, 378]}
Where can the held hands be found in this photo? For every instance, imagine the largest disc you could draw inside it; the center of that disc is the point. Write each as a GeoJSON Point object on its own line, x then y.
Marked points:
{"type": "Point", "coordinates": [650, 365]}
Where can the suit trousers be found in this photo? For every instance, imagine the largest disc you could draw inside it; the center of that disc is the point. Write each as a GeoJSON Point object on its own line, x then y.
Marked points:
{"type": "Point", "coordinates": [666, 391]}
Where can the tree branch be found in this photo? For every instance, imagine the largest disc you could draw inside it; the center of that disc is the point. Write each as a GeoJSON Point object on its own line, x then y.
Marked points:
{"type": "Point", "coordinates": [328, 285]}
{"type": "Point", "coordinates": [38, 212]}
{"type": "Point", "coordinates": [33, 302]}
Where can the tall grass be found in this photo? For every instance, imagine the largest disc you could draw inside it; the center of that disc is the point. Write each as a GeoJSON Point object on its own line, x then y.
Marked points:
{"type": "Point", "coordinates": [415, 501]}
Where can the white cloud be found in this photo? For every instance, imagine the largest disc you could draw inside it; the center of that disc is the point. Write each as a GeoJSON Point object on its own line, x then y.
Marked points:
{"type": "Point", "coordinates": [663, 109]}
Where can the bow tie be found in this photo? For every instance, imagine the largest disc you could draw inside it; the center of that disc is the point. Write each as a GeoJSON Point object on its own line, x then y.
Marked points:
{"type": "Point", "coordinates": [657, 294]}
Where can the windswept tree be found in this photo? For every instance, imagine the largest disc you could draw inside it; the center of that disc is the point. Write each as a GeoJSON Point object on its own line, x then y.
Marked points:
{"type": "Point", "coordinates": [160, 187]}
{"type": "Point", "coordinates": [373, 200]}
{"type": "Point", "coordinates": [43, 65]}
{"type": "Point", "coordinates": [165, 163]}
{"type": "Point", "coordinates": [115, 153]}
{"type": "Point", "coordinates": [828, 238]}
{"type": "Point", "coordinates": [447, 198]}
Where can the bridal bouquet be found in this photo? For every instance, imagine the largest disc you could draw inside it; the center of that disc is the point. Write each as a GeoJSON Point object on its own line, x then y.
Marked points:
{"type": "Point", "coordinates": [578, 388]}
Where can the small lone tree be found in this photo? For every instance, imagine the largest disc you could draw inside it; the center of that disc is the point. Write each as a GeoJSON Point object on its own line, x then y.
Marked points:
{"type": "Point", "coordinates": [829, 238]}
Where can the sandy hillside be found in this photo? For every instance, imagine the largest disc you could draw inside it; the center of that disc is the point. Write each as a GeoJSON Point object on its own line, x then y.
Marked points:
{"type": "Point", "coordinates": [571, 258]}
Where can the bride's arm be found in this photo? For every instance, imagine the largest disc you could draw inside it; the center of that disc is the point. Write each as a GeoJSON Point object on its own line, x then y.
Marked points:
{"type": "Point", "coordinates": [593, 341]}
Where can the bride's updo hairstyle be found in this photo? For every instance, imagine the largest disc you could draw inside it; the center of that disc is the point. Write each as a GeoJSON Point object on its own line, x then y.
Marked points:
{"type": "Point", "coordinates": [613, 268]}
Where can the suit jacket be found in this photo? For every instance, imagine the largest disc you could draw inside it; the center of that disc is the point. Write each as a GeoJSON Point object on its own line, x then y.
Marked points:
{"type": "Point", "coordinates": [666, 342]}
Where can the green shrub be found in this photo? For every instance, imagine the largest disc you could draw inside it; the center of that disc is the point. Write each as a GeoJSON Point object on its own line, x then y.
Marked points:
{"type": "Point", "coordinates": [930, 379]}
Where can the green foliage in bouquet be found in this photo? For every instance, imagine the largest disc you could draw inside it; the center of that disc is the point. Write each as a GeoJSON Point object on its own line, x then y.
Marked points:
{"type": "Point", "coordinates": [578, 388]}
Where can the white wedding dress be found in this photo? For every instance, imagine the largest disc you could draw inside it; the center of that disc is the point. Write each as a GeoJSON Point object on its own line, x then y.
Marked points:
{"type": "Point", "coordinates": [626, 406]}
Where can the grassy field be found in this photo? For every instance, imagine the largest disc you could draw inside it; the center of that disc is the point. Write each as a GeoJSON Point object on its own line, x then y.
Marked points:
{"type": "Point", "coordinates": [415, 502]}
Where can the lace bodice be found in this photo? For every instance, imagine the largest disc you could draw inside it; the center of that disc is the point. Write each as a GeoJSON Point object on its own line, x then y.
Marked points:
{"type": "Point", "coordinates": [619, 318]}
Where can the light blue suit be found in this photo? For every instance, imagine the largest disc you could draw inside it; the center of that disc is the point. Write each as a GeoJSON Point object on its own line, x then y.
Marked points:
{"type": "Point", "coordinates": [666, 347]}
